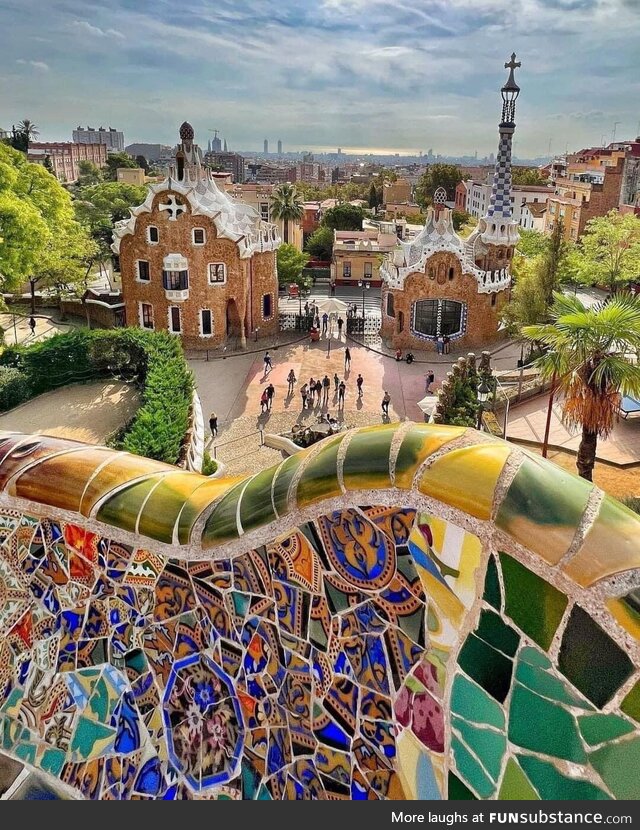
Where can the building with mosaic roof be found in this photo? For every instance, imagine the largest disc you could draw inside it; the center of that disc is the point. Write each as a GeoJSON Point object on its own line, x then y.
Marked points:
{"type": "Point", "coordinates": [196, 262]}
{"type": "Point", "coordinates": [438, 284]}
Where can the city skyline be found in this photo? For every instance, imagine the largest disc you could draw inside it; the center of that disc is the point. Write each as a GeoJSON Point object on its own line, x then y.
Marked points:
{"type": "Point", "coordinates": [355, 74]}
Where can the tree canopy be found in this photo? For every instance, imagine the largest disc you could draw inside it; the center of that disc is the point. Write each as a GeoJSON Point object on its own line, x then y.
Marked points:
{"type": "Point", "coordinates": [320, 244]}
{"type": "Point", "coordinates": [530, 176]}
{"type": "Point", "coordinates": [40, 238]}
{"type": "Point", "coordinates": [438, 175]}
{"type": "Point", "coordinates": [290, 262]}
{"type": "Point", "coordinates": [610, 250]}
{"type": "Point", "coordinates": [287, 206]}
{"type": "Point", "coordinates": [345, 217]}
{"type": "Point", "coordinates": [115, 160]}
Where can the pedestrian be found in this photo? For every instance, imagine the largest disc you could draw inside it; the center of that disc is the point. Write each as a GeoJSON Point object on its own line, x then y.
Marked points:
{"type": "Point", "coordinates": [429, 378]}
{"type": "Point", "coordinates": [340, 325]}
{"type": "Point", "coordinates": [398, 354]}
{"type": "Point", "coordinates": [446, 341]}
{"type": "Point", "coordinates": [316, 322]}
{"type": "Point", "coordinates": [386, 400]}
{"type": "Point", "coordinates": [410, 358]}
{"type": "Point", "coordinates": [347, 359]}
{"type": "Point", "coordinates": [264, 401]}
{"type": "Point", "coordinates": [271, 393]}
{"type": "Point", "coordinates": [303, 395]}
{"type": "Point", "coordinates": [440, 344]}
{"type": "Point", "coordinates": [291, 379]}
{"type": "Point", "coordinates": [326, 385]}
{"type": "Point", "coordinates": [306, 309]}
{"type": "Point", "coordinates": [333, 289]}
{"type": "Point", "coordinates": [32, 325]}
{"type": "Point", "coordinates": [268, 365]}
{"type": "Point", "coordinates": [336, 381]}
{"type": "Point", "coordinates": [341, 390]}
{"type": "Point", "coordinates": [213, 424]}
{"type": "Point", "coordinates": [359, 382]}
{"type": "Point", "coordinates": [312, 390]}
{"type": "Point", "coordinates": [325, 321]}
{"type": "Point", "coordinates": [318, 390]}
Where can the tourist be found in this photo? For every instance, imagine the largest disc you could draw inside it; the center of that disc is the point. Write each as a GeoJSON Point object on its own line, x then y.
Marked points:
{"type": "Point", "coordinates": [326, 385]}
{"type": "Point", "coordinates": [316, 322]}
{"type": "Point", "coordinates": [32, 325]}
{"type": "Point", "coordinates": [264, 401]}
{"type": "Point", "coordinates": [318, 390]}
{"type": "Point", "coordinates": [291, 379]}
{"type": "Point", "coordinates": [325, 322]}
{"type": "Point", "coordinates": [386, 400]}
{"type": "Point", "coordinates": [359, 382]}
{"type": "Point", "coordinates": [336, 381]}
{"type": "Point", "coordinates": [271, 392]}
{"type": "Point", "coordinates": [429, 378]}
{"type": "Point", "coordinates": [410, 358]}
{"type": "Point", "coordinates": [446, 341]}
{"type": "Point", "coordinates": [347, 359]}
{"type": "Point", "coordinates": [312, 390]}
{"type": "Point", "coordinates": [303, 395]}
{"type": "Point", "coordinates": [306, 309]}
{"type": "Point", "coordinates": [341, 390]}
{"type": "Point", "coordinates": [268, 365]}
{"type": "Point", "coordinates": [340, 325]}
{"type": "Point", "coordinates": [398, 354]}
{"type": "Point", "coordinates": [440, 344]}
{"type": "Point", "coordinates": [213, 424]}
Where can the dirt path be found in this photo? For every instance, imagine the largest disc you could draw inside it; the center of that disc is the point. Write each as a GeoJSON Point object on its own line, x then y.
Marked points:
{"type": "Point", "coordinates": [88, 412]}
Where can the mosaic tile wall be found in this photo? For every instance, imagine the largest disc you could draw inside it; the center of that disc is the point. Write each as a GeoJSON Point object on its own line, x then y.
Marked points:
{"type": "Point", "coordinates": [469, 630]}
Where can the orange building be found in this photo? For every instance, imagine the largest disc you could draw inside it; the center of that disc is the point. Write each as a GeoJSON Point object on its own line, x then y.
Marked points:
{"type": "Point", "coordinates": [65, 157]}
{"type": "Point", "coordinates": [196, 262]}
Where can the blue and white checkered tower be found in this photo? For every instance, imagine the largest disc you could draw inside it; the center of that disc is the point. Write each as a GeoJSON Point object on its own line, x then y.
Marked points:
{"type": "Point", "coordinates": [499, 227]}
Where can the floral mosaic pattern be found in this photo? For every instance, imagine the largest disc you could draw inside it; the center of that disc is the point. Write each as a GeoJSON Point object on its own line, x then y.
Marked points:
{"type": "Point", "coordinates": [328, 661]}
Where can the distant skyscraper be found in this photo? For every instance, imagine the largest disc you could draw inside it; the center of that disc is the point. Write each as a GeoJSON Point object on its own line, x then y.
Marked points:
{"type": "Point", "coordinates": [279, 146]}
{"type": "Point", "coordinates": [112, 138]}
{"type": "Point", "coordinates": [225, 146]}
{"type": "Point", "coordinates": [266, 146]}
{"type": "Point", "coordinates": [216, 144]}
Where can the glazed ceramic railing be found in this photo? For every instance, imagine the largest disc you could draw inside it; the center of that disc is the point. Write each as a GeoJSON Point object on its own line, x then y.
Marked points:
{"type": "Point", "coordinates": [405, 611]}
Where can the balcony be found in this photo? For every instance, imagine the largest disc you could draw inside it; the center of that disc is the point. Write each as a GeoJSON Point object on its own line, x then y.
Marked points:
{"type": "Point", "coordinates": [176, 285]}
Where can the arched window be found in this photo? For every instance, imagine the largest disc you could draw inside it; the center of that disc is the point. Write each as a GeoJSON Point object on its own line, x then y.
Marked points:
{"type": "Point", "coordinates": [390, 307]}
{"type": "Point", "coordinates": [432, 318]}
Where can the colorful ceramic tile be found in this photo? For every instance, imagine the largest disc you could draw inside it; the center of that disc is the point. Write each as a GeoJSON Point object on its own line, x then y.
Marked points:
{"type": "Point", "coordinates": [421, 441]}
{"type": "Point", "coordinates": [552, 784]}
{"type": "Point", "coordinates": [631, 703]}
{"type": "Point", "coordinates": [366, 462]}
{"type": "Point", "coordinates": [319, 479]}
{"type": "Point", "coordinates": [537, 724]}
{"type": "Point", "coordinates": [515, 785]}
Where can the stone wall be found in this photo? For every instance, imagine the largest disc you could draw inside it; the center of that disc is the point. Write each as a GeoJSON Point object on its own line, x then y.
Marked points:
{"type": "Point", "coordinates": [404, 611]}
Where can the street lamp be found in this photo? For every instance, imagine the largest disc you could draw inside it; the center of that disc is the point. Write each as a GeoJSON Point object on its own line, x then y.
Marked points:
{"type": "Point", "coordinates": [365, 285]}
{"type": "Point", "coordinates": [484, 390]}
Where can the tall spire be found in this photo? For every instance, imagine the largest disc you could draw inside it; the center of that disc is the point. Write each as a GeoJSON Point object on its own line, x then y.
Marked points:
{"type": "Point", "coordinates": [500, 204]}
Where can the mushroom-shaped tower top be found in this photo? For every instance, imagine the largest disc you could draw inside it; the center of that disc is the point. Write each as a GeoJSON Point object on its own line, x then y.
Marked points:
{"type": "Point", "coordinates": [186, 131]}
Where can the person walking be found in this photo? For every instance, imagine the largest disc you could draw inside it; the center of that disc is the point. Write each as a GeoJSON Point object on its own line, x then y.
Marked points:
{"type": "Point", "coordinates": [347, 359]}
{"type": "Point", "coordinates": [429, 378]}
{"type": "Point", "coordinates": [271, 393]}
{"type": "Point", "coordinates": [336, 381]}
{"type": "Point", "coordinates": [312, 391]}
{"type": "Point", "coordinates": [325, 322]}
{"type": "Point", "coordinates": [386, 400]}
{"type": "Point", "coordinates": [316, 322]}
{"type": "Point", "coordinates": [32, 325]}
{"type": "Point", "coordinates": [268, 365]}
{"type": "Point", "coordinates": [326, 385]}
{"type": "Point", "coordinates": [440, 344]}
{"type": "Point", "coordinates": [264, 401]}
{"type": "Point", "coordinates": [340, 325]}
{"type": "Point", "coordinates": [359, 382]}
{"type": "Point", "coordinates": [446, 343]}
{"type": "Point", "coordinates": [342, 387]}
{"type": "Point", "coordinates": [213, 424]}
{"type": "Point", "coordinates": [306, 309]}
{"type": "Point", "coordinates": [291, 379]}
{"type": "Point", "coordinates": [303, 395]}
{"type": "Point", "coordinates": [318, 391]}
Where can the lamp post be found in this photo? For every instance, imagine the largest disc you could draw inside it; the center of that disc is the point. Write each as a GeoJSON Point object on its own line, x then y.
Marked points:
{"type": "Point", "coordinates": [484, 390]}
{"type": "Point", "coordinates": [365, 285]}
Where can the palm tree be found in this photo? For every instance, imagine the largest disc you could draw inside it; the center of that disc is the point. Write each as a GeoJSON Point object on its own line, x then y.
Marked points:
{"type": "Point", "coordinates": [286, 205]}
{"type": "Point", "coordinates": [591, 355]}
{"type": "Point", "coordinates": [27, 132]}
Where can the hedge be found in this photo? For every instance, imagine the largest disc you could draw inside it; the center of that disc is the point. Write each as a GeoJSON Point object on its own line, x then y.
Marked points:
{"type": "Point", "coordinates": [152, 360]}
{"type": "Point", "coordinates": [14, 388]}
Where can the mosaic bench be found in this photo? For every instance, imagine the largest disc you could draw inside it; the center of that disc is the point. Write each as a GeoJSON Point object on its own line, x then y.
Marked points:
{"type": "Point", "coordinates": [405, 611]}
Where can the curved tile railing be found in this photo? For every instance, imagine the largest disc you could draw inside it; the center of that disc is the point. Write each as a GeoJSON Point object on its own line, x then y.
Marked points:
{"type": "Point", "coordinates": [404, 611]}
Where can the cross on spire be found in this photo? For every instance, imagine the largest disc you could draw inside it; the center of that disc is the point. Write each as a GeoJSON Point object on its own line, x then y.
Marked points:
{"type": "Point", "coordinates": [513, 64]}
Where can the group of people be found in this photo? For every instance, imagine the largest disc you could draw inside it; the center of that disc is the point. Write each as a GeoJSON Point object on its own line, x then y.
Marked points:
{"type": "Point", "coordinates": [316, 392]}
{"type": "Point", "coordinates": [443, 343]}
{"type": "Point", "coordinates": [409, 356]}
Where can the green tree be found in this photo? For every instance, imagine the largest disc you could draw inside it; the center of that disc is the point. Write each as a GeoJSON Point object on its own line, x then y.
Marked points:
{"type": "Point", "coordinates": [344, 218]}
{"type": "Point", "coordinates": [290, 262]}
{"type": "Point", "coordinates": [142, 162]}
{"type": "Point", "coordinates": [610, 249]}
{"type": "Point", "coordinates": [552, 262]}
{"type": "Point", "coordinates": [531, 242]}
{"type": "Point", "coordinates": [320, 244]}
{"type": "Point", "coordinates": [24, 134]}
{"type": "Point", "coordinates": [527, 305]}
{"type": "Point", "coordinates": [460, 218]}
{"type": "Point", "coordinates": [438, 175]}
{"type": "Point", "coordinates": [589, 356]}
{"type": "Point", "coordinates": [90, 174]}
{"type": "Point", "coordinates": [48, 166]}
{"type": "Point", "coordinates": [529, 176]}
{"type": "Point", "coordinates": [115, 160]}
{"type": "Point", "coordinates": [374, 199]}
{"type": "Point", "coordinates": [109, 201]}
{"type": "Point", "coordinates": [287, 206]}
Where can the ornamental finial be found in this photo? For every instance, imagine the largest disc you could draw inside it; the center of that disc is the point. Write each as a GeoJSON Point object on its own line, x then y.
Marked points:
{"type": "Point", "coordinates": [511, 65]}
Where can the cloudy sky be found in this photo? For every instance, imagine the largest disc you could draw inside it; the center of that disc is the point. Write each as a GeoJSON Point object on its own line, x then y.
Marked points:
{"type": "Point", "coordinates": [402, 75]}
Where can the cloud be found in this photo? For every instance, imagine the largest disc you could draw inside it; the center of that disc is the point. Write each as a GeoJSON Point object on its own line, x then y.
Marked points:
{"type": "Point", "coordinates": [87, 28]}
{"type": "Point", "coordinates": [39, 65]}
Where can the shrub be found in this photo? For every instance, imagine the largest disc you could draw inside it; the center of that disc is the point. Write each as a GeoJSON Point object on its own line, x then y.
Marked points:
{"type": "Point", "coordinates": [14, 388]}
{"type": "Point", "coordinates": [209, 466]}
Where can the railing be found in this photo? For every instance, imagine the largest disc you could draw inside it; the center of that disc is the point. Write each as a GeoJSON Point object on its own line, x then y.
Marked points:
{"type": "Point", "coordinates": [294, 322]}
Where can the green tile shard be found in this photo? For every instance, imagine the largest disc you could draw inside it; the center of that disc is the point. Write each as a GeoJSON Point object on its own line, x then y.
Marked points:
{"type": "Point", "coordinates": [542, 726]}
